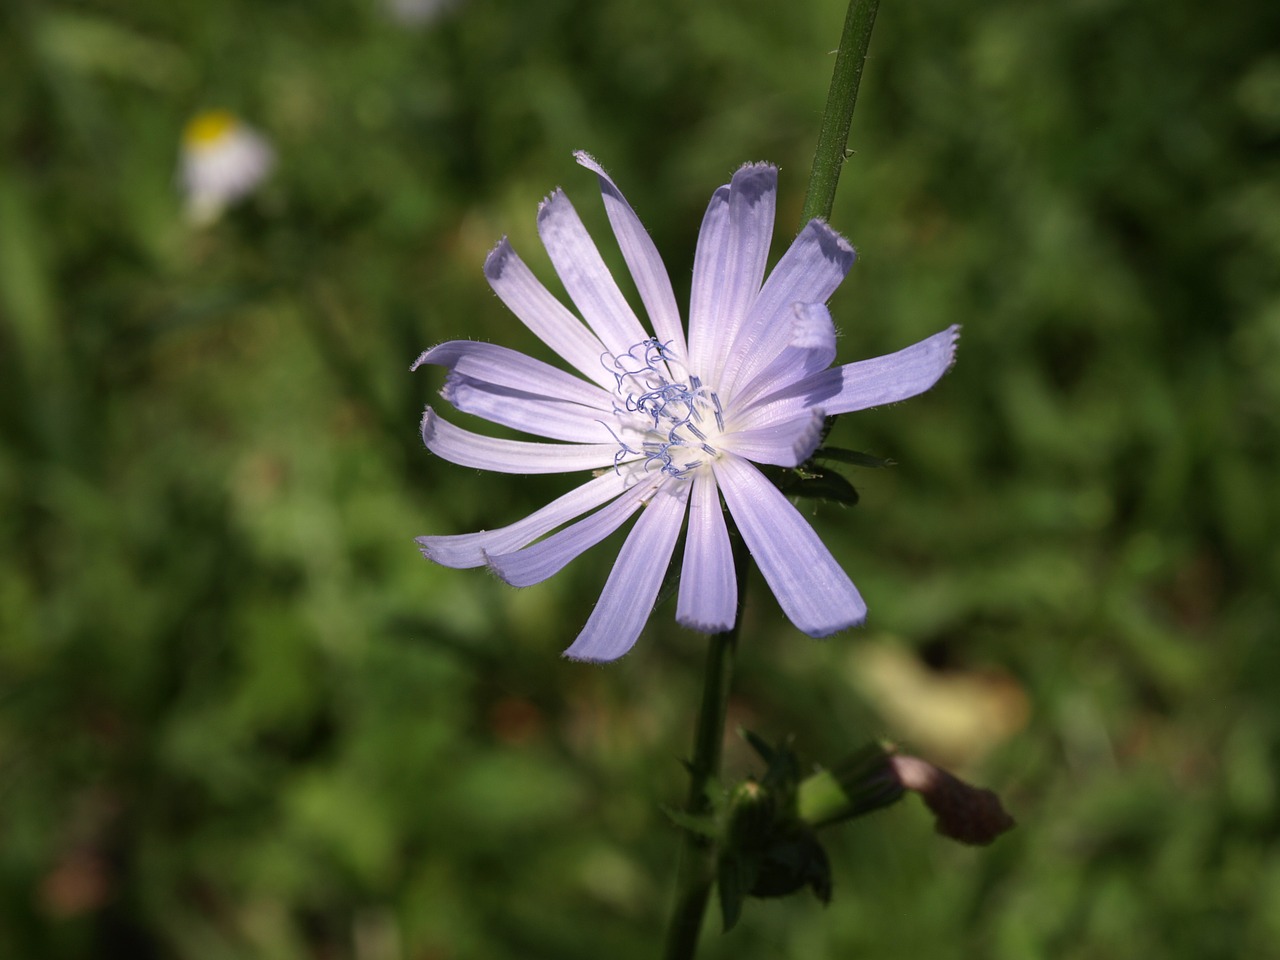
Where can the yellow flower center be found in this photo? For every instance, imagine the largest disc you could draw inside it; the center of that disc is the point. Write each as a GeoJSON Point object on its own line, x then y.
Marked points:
{"type": "Point", "coordinates": [209, 128]}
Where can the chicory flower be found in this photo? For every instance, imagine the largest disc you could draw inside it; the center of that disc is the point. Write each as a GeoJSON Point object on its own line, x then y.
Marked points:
{"type": "Point", "coordinates": [669, 423]}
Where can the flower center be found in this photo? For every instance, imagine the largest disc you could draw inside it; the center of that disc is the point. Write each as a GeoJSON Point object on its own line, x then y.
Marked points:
{"type": "Point", "coordinates": [209, 128]}
{"type": "Point", "coordinates": [666, 415]}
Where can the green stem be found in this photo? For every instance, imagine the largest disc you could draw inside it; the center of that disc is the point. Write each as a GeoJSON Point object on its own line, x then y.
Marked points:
{"type": "Point", "coordinates": [696, 869]}
{"type": "Point", "coordinates": [833, 138]}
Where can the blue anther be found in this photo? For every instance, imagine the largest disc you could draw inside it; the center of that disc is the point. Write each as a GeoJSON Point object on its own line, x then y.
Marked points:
{"type": "Point", "coordinates": [644, 388]}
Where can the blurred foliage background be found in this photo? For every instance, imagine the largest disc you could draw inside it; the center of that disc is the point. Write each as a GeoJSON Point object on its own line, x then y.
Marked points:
{"type": "Point", "coordinates": [240, 716]}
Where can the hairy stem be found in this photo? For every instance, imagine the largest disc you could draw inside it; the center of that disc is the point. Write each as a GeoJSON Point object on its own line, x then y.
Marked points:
{"type": "Point", "coordinates": [833, 137]}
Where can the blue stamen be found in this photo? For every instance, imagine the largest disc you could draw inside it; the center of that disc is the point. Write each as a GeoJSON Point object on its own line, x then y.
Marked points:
{"type": "Point", "coordinates": [644, 387]}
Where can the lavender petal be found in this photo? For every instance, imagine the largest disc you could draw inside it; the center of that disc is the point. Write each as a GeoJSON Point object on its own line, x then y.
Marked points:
{"type": "Point", "coordinates": [710, 262]}
{"type": "Point", "coordinates": [469, 449]}
{"type": "Point", "coordinates": [643, 260]}
{"type": "Point", "coordinates": [586, 278]}
{"type": "Point", "coordinates": [548, 318]}
{"type": "Point", "coordinates": [523, 568]}
{"type": "Point", "coordinates": [503, 367]}
{"type": "Point", "coordinates": [809, 272]}
{"type": "Point", "coordinates": [708, 583]}
{"type": "Point", "coordinates": [752, 201]}
{"type": "Point", "coordinates": [816, 595]}
{"type": "Point", "coordinates": [471, 549]}
{"type": "Point", "coordinates": [787, 443]}
{"type": "Point", "coordinates": [527, 412]}
{"type": "Point", "coordinates": [811, 349]}
{"type": "Point", "coordinates": [629, 593]}
{"type": "Point", "coordinates": [881, 380]}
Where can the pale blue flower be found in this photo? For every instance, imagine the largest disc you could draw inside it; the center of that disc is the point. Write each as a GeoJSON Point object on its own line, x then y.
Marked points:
{"type": "Point", "coordinates": [670, 424]}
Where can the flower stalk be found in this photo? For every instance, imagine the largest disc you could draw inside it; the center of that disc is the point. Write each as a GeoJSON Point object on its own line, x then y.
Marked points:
{"type": "Point", "coordinates": [696, 868]}
{"type": "Point", "coordinates": [695, 871]}
{"type": "Point", "coordinates": [833, 136]}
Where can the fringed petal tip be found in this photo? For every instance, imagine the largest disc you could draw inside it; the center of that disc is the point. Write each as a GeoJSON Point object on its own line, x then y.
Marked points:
{"type": "Point", "coordinates": [590, 647]}
{"type": "Point", "coordinates": [552, 204]}
{"type": "Point", "coordinates": [707, 628]}
{"type": "Point", "coordinates": [948, 360]}
{"type": "Point", "coordinates": [496, 262]}
{"type": "Point", "coordinates": [954, 330]}
{"type": "Point", "coordinates": [428, 426]}
{"type": "Point", "coordinates": [585, 159]}
{"type": "Point", "coordinates": [449, 389]}
{"type": "Point", "coordinates": [584, 658]}
{"type": "Point", "coordinates": [495, 569]}
{"type": "Point", "coordinates": [517, 576]}
{"type": "Point", "coordinates": [832, 245]}
{"type": "Point", "coordinates": [810, 437]}
{"type": "Point", "coordinates": [756, 171]}
{"type": "Point", "coordinates": [755, 180]}
{"type": "Point", "coordinates": [444, 354]}
{"type": "Point", "coordinates": [813, 330]}
{"type": "Point", "coordinates": [435, 550]}
{"type": "Point", "coordinates": [821, 633]}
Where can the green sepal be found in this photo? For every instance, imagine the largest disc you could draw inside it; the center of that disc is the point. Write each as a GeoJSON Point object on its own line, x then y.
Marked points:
{"type": "Point", "coordinates": [735, 876]}
{"type": "Point", "coordinates": [782, 771]}
{"type": "Point", "coordinates": [811, 481]}
{"type": "Point", "coordinates": [703, 824]}
{"type": "Point", "coordinates": [815, 483]}
{"type": "Point", "coordinates": [793, 860]}
{"type": "Point", "coordinates": [853, 457]}
{"type": "Point", "coordinates": [766, 849]}
{"type": "Point", "coordinates": [759, 745]}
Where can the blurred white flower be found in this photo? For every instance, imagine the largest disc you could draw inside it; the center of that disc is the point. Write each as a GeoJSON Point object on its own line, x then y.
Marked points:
{"type": "Point", "coordinates": [223, 160]}
{"type": "Point", "coordinates": [417, 13]}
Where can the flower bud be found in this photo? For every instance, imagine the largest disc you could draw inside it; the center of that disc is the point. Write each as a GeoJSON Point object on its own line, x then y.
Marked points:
{"type": "Point", "coordinates": [876, 776]}
{"type": "Point", "coordinates": [864, 782]}
{"type": "Point", "coordinates": [751, 814]}
{"type": "Point", "coordinates": [961, 811]}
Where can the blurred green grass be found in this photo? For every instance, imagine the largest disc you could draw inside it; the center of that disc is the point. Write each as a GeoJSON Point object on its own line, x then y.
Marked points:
{"type": "Point", "coordinates": [241, 717]}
